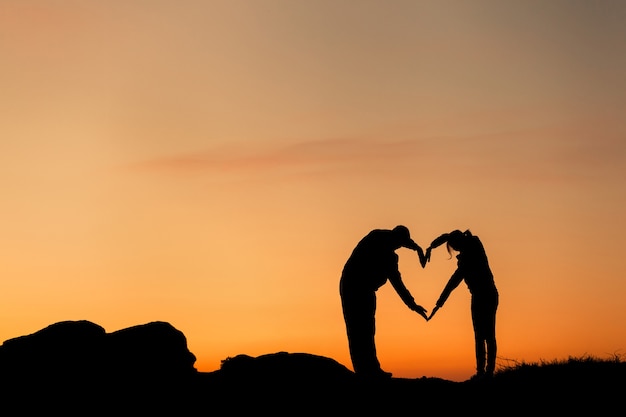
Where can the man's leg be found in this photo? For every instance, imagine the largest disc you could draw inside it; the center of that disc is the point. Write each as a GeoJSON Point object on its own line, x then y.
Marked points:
{"type": "Point", "coordinates": [359, 314]}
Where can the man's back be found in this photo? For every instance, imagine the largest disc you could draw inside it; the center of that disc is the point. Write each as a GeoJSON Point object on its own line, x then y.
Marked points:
{"type": "Point", "coordinates": [371, 262]}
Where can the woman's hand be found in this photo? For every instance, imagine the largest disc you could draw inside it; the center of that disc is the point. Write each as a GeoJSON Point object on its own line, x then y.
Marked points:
{"type": "Point", "coordinates": [427, 256]}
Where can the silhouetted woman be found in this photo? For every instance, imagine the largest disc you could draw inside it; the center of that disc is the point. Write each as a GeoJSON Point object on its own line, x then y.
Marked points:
{"type": "Point", "coordinates": [372, 262]}
{"type": "Point", "coordinates": [473, 268]}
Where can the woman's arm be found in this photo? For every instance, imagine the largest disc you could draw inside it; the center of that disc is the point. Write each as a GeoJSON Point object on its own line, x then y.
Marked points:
{"type": "Point", "coordinates": [453, 282]}
{"type": "Point", "coordinates": [435, 243]}
{"type": "Point", "coordinates": [439, 241]}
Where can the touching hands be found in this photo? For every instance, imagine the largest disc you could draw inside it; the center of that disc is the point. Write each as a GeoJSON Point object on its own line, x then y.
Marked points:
{"type": "Point", "coordinates": [424, 257]}
{"type": "Point", "coordinates": [432, 313]}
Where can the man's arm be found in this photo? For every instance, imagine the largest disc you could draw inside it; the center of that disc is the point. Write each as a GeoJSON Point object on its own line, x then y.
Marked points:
{"type": "Point", "coordinates": [405, 295]}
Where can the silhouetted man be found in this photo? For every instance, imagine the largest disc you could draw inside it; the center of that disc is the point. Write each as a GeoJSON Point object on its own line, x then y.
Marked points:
{"type": "Point", "coordinates": [371, 264]}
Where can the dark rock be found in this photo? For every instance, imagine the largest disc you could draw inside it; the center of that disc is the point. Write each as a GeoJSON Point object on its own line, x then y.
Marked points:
{"type": "Point", "coordinates": [67, 348]}
{"type": "Point", "coordinates": [282, 382]}
{"type": "Point", "coordinates": [285, 366]}
{"type": "Point", "coordinates": [153, 350]}
{"type": "Point", "coordinates": [74, 363]}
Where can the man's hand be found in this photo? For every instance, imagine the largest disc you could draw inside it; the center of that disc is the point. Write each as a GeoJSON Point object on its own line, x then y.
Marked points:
{"type": "Point", "coordinates": [420, 310]}
{"type": "Point", "coordinates": [422, 257]}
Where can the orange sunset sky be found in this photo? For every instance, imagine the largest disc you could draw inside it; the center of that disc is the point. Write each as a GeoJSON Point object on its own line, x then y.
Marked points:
{"type": "Point", "coordinates": [212, 164]}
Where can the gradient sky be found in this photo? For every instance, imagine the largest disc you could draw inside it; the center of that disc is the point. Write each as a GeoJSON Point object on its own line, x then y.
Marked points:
{"type": "Point", "coordinates": [213, 163]}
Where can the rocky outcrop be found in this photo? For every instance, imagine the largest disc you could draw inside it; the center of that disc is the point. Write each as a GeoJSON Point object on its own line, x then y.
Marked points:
{"type": "Point", "coordinates": [285, 366]}
{"type": "Point", "coordinates": [155, 350]}
{"type": "Point", "coordinates": [76, 364]}
{"type": "Point", "coordinates": [81, 348]}
{"type": "Point", "coordinates": [65, 348]}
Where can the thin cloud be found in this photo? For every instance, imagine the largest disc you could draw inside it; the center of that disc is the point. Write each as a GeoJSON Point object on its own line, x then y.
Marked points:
{"type": "Point", "coordinates": [528, 156]}
{"type": "Point", "coordinates": [303, 155]}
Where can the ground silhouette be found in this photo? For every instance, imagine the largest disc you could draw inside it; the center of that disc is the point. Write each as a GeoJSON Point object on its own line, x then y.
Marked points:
{"type": "Point", "coordinates": [76, 368]}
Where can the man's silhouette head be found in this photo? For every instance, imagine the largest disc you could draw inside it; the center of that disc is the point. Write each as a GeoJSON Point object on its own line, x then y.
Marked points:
{"type": "Point", "coordinates": [403, 237]}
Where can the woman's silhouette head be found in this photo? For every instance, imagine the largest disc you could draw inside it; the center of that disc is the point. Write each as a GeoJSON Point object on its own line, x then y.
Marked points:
{"type": "Point", "coordinates": [456, 240]}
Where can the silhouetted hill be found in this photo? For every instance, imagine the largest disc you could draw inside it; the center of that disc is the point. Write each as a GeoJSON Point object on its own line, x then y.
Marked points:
{"type": "Point", "coordinates": [77, 368]}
